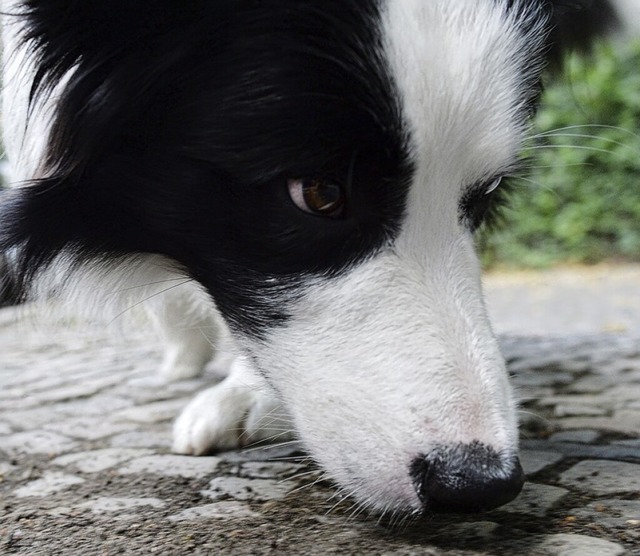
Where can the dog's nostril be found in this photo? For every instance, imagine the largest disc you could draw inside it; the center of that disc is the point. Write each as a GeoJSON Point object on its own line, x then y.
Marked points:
{"type": "Point", "coordinates": [466, 478]}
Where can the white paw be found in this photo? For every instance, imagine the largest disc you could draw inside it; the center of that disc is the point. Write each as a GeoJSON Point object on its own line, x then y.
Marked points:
{"type": "Point", "coordinates": [241, 410]}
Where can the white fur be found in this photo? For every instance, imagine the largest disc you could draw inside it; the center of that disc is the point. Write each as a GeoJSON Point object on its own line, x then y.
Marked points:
{"type": "Point", "coordinates": [24, 146]}
{"type": "Point", "coordinates": [240, 410]}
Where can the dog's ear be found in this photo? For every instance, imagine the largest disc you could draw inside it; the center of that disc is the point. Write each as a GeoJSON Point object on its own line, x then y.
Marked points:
{"type": "Point", "coordinates": [575, 24]}
{"type": "Point", "coordinates": [63, 34]}
{"type": "Point", "coordinates": [117, 49]}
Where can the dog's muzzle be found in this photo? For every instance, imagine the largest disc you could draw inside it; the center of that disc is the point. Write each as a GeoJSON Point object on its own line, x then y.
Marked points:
{"type": "Point", "coordinates": [466, 478]}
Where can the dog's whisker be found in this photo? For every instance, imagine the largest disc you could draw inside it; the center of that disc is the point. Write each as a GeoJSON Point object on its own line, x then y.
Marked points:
{"type": "Point", "coordinates": [538, 184]}
{"type": "Point", "coordinates": [309, 485]}
{"type": "Point", "coordinates": [555, 131]}
{"type": "Point", "coordinates": [154, 283]}
{"type": "Point", "coordinates": [585, 136]}
{"type": "Point", "coordinates": [578, 147]}
{"type": "Point", "coordinates": [142, 301]}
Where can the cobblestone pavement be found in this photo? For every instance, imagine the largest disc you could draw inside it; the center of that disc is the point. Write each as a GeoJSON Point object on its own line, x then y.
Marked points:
{"type": "Point", "coordinates": [85, 464]}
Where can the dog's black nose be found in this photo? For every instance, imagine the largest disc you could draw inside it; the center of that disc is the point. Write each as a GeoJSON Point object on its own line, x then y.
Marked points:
{"type": "Point", "coordinates": [466, 478]}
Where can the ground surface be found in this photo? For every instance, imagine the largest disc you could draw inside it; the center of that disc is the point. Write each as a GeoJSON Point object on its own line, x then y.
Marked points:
{"type": "Point", "coordinates": [85, 465]}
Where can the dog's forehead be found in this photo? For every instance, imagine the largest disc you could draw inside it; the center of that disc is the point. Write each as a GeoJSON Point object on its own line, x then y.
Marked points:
{"type": "Point", "coordinates": [465, 73]}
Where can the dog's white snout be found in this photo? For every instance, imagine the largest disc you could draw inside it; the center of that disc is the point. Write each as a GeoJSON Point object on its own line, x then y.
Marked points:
{"type": "Point", "coordinates": [403, 361]}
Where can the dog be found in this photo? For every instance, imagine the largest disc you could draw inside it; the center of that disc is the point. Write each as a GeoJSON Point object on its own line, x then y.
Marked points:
{"type": "Point", "coordinates": [308, 175]}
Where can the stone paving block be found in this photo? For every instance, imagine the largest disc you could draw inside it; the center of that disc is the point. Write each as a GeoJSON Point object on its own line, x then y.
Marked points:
{"type": "Point", "coordinates": [633, 443]}
{"type": "Point", "coordinates": [87, 428]}
{"type": "Point", "coordinates": [104, 404]}
{"type": "Point", "coordinates": [578, 409]}
{"type": "Point", "coordinates": [627, 392]}
{"type": "Point", "coordinates": [99, 460]}
{"type": "Point", "coordinates": [23, 420]}
{"type": "Point", "coordinates": [155, 412]}
{"type": "Point", "coordinates": [613, 513]}
{"type": "Point", "coordinates": [50, 483]}
{"type": "Point", "coordinates": [37, 442]}
{"type": "Point", "coordinates": [271, 469]}
{"type": "Point", "coordinates": [592, 384]}
{"type": "Point", "coordinates": [536, 460]}
{"type": "Point", "coordinates": [259, 490]}
{"type": "Point", "coordinates": [142, 439]}
{"type": "Point", "coordinates": [581, 436]}
{"type": "Point", "coordinates": [603, 477]}
{"type": "Point", "coordinates": [217, 510]}
{"type": "Point", "coordinates": [172, 466]}
{"type": "Point", "coordinates": [535, 499]}
{"type": "Point", "coordinates": [6, 468]}
{"type": "Point", "coordinates": [105, 505]}
{"type": "Point", "coordinates": [625, 421]}
{"type": "Point", "coordinates": [578, 545]}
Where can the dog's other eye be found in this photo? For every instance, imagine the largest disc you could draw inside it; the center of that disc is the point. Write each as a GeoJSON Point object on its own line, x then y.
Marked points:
{"type": "Point", "coordinates": [317, 196]}
{"type": "Point", "coordinates": [480, 202]}
{"type": "Point", "coordinates": [493, 186]}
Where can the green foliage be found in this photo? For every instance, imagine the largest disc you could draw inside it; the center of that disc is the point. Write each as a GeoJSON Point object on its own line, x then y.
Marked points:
{"type": "Point", "coordinates": [581, 200]}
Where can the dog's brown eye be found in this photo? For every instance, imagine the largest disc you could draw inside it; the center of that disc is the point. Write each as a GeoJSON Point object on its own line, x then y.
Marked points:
{"type": "Point", "coordinates": [317, 196]}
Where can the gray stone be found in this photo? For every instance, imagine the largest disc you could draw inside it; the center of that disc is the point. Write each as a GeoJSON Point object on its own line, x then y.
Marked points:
{"type": "Point", "coordinates": [106, 504]}
{"type": "Point", "coordinates": [581, 436]}
{"type": "Point", "coordinates": [99, 460]}
{"type": "Point", "coordinates": [104, 404]}
{"type": "Point", "coordinates": [50, 483]}
{"type": "Point", "coordinates": [633, 443]}
{"type": "Point", "coordinates": [142, 439]}
{"type": "Point", "coordinates": [571, 410]}
{"type": "Point", "coordinates": [81, 389]}
{"type": "Point", "coordinates": [271, 470]}
{"type": "Point", "coordinates": [536, 460]}
{"type": "Point", "coordinates": [37, 442]}
{"type": "Point", "coordinates": [27, 419]}
{"type": "Point", "coordinates": [217, 510]}
{"type": "Point", "coordinates": [172, 466]}
{"type": "Point", "coordinates": [155, 412]}
{"type": "Point", "coordinates": [87, 428]}
{"type": "Point", "coordinates": [613, 513]}
{"type": "Point", "coordinates": [535, 499]}
{"type": "Point", "coordinates": [563, 544]}
{"type": "Point", "coordinates": [625, 421]}
{"type": "Point", "coordinates": [603, 477]}
{"type": "Point", "coordinates": [592, 384]}
{"type": "Point", "coordinates": [6, 468]}
{"type": "Point", "coordinates": [247, 489]}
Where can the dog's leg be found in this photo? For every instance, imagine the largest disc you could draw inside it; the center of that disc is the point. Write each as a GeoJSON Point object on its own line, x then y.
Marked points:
{"type": "Point", "coordinates": [190, 331]}
{"type": "Point", "coordinates": [240, 410]}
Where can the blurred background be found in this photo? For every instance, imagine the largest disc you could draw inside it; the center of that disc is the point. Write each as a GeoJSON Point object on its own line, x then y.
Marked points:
{"type": "Point", "coordinates": [579, 201]}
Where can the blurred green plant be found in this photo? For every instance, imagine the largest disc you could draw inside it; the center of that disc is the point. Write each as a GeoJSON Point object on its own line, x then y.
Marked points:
{"type": "Point", "coordinates": [580, 201]}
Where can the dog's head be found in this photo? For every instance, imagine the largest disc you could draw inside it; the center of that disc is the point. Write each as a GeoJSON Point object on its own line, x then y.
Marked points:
{"type": "Point", "coordinates": [320, 168]}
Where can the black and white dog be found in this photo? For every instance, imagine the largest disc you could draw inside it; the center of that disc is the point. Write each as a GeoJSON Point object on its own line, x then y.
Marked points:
{"type": "Point", "coordinates": [318, 169]}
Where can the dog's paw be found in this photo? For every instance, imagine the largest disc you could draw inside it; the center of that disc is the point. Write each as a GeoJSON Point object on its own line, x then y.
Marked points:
{"type": "Point", "coordinates": [241, 410]}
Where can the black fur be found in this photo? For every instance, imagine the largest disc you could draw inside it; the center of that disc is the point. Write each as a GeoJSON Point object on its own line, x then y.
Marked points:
{"type": "Point", "coordinates": [179, 130]}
